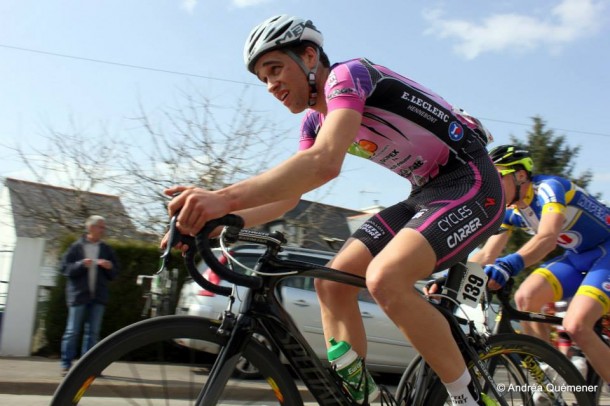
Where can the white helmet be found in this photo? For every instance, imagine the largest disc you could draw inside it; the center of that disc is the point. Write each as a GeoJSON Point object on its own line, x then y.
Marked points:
{"type": "Point", "coordinates": [278, 32]}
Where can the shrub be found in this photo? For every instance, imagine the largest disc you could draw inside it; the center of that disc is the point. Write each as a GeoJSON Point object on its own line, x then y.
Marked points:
{"type": "Point", "coordinates": [126, 297]}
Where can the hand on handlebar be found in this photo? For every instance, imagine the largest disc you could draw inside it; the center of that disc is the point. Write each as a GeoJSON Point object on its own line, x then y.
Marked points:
{"type": "Point", "coordinates": [180, 245]}
{"type": "Point", "coordinates": [195, 207]}
{"type": "Point", "coordinates": [497, 276]}
{"type": "Point", "coordinates": [502, 270]}
{"type": "Point", "coordinates": [435, 285]}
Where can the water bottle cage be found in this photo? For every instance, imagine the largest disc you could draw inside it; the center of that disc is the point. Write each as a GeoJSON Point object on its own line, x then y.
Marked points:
{"type": "Point", "coordinates": [363, 380]}
{"type": "Point", "coordinates": [386, 396]}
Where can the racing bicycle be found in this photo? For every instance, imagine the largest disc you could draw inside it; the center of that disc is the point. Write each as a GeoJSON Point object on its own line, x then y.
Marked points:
{"type": "Point", "coordinates": [508, 313]}
{"type": "Point", "coordinates": [505, 315]}
{"type": "Point", "coordinates": [122, 364]}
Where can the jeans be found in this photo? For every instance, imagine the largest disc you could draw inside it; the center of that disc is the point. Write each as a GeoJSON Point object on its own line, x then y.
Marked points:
{"type": "Point", "coordinates": [91, 316]}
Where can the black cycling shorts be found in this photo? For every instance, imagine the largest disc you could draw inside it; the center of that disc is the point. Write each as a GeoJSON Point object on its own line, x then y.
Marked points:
{"type": "Point", "coordinates": [455, 212]}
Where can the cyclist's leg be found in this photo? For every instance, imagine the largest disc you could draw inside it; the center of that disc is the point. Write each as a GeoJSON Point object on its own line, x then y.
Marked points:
{"type": "Point", "coordinates": [531, 296]}
{"type": "Point", "coordinates": [589, 304]}
{"type": "Point", "coordinates": [341, 317]}
{"type": "Point", "coordinates": [450, 222]}
{"type": "Point", "coordinates": [338, 302]}
{"type": "Point", "coordinates": [580, 318]}
{"type": "Point", "coordinates": [552, 281]}
{"type": "Point", "coordinates": [391, 286]}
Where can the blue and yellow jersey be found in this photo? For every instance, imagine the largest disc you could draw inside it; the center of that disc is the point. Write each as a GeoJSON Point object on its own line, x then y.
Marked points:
{"type": "Point", "coordinates": [587, 220]}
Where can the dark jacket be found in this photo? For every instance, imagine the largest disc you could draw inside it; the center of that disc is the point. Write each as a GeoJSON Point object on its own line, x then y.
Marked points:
{"type": "Point", "coordinates": [77, 285]}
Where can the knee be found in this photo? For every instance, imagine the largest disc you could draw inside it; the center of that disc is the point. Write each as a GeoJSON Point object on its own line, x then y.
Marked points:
{"type": "Point", "coordinates": [376, 288]}
{"type": "Point", "coordinates": [577, 329]}
{"type": "Point", "coordinates": [322, 287]}
{"type": "Point", "coordinates": [387, 292]}
{"type": "Point", "coordinates": [526, 300]}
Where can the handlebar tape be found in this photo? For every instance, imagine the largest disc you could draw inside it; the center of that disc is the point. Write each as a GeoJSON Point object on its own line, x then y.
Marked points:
{"type": "Point", "coordinates": [235, 223]}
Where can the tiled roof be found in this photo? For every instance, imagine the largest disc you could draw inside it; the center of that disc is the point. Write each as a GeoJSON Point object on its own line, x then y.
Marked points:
{"type": "Point", "coordinates": [320, 223]}
{"type": "Point", "coordinates": [45, 211]}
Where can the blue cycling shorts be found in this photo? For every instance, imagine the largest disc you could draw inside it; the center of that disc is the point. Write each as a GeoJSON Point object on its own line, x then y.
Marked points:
{"type": "Point", "coordinates": [585, 273]}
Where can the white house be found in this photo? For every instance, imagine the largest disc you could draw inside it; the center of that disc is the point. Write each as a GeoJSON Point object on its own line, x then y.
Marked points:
{"type": "Point", "coordinates": [33, 217]}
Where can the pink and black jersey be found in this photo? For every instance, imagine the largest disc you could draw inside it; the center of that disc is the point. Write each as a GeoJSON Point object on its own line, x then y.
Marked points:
{"type": "Point", "coordinates": [405, 127]}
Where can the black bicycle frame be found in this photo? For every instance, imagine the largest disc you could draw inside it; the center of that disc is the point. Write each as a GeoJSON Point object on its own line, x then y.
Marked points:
{"type": "Point", "coordinates": [262, 311]}
{"type": "Point", "coordinates": [447, 307]}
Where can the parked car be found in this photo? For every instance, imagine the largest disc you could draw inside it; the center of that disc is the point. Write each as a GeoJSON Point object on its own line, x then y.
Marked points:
{"type": "Point", "coordinates": [388, 350]}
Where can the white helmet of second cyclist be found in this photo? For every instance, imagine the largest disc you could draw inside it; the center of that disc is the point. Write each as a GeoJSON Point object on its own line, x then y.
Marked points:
{"type": "Point", "coordinates": [278, 32]}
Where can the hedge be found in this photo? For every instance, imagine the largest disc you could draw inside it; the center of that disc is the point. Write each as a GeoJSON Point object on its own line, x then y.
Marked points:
{"type": "Point", "coordinates": [126, 299]}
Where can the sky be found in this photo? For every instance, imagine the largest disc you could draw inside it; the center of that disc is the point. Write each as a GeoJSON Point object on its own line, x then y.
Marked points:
{"type": "Point", "coordinates": [93, 64]}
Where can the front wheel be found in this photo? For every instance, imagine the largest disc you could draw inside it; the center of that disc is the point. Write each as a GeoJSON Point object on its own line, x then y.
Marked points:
{"type": "Point", "coordinates": [526, 371]}
{"type": "Point", "coordinates": [144, 364]}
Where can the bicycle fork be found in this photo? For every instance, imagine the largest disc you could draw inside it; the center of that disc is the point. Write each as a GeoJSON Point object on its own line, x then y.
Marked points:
{"type": "Point", "coordinates": [470, 354]}
{"type": "Point", "coordinates": [541, 377]}
{"type": "Point", "coordinates": [239, 332]}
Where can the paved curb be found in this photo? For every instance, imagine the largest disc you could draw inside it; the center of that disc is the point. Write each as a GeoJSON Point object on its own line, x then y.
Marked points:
{"type": "Point", "coordinates": [41, 376]}
{"type": "Point", "coordinates": [29, 375]}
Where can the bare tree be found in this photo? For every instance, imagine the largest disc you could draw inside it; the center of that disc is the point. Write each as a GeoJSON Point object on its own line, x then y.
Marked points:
{"type": "Point", "coordinates": [199, 143]}
{"type": "Point", "coordinates": [83, 163]}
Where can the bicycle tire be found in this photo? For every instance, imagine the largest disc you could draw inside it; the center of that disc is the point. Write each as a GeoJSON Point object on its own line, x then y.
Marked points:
{"type": "Point", "coordinates": [595, 380]}
{"type": "Point", "coordinates": [406, 380]}
{"type": "Point", "coordinates": [504, 349]}
{"type": "Point", "coordinates": [415, 382]}
{"type": "Point", "coordinates": [114, 368]}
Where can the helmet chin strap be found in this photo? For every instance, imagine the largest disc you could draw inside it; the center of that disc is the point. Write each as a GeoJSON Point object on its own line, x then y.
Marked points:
{"type": "Point", "coordinates": [517, 190]}
{"type": "Point", "coordinates": [311, 75]}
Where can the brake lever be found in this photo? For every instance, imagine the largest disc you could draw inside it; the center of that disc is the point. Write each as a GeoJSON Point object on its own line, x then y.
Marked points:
{"type": "Point", "coordinates": [174, 238]}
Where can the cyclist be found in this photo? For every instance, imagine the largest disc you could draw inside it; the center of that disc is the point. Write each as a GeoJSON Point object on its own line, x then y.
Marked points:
{"type": "Point", "coordinates": [557, 213]}
{"type": "Point", "coordinates": [365, 109]}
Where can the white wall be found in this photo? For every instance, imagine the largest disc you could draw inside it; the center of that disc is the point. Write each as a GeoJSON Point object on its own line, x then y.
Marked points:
{"type": "Point", "coordinates": [7, 241]}
{"type": "Point", "coordinates": [20, 313]}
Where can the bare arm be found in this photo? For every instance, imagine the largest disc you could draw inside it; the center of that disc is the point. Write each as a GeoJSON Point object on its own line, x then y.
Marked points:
{"type": "Point", "coordinates": [545, 239]}
{"type": "Point", "coordinates": [492, 249]}
{"type": "Point", "coordinates": [301, 173]}
{"type": "Point", "coordinates": [531, 252]}
{"type": "Point", "coordinates": [263, 214]}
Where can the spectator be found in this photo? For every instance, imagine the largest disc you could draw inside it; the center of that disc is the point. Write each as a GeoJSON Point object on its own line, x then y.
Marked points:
{"type": "Point", "coordinates": [89, 264]}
